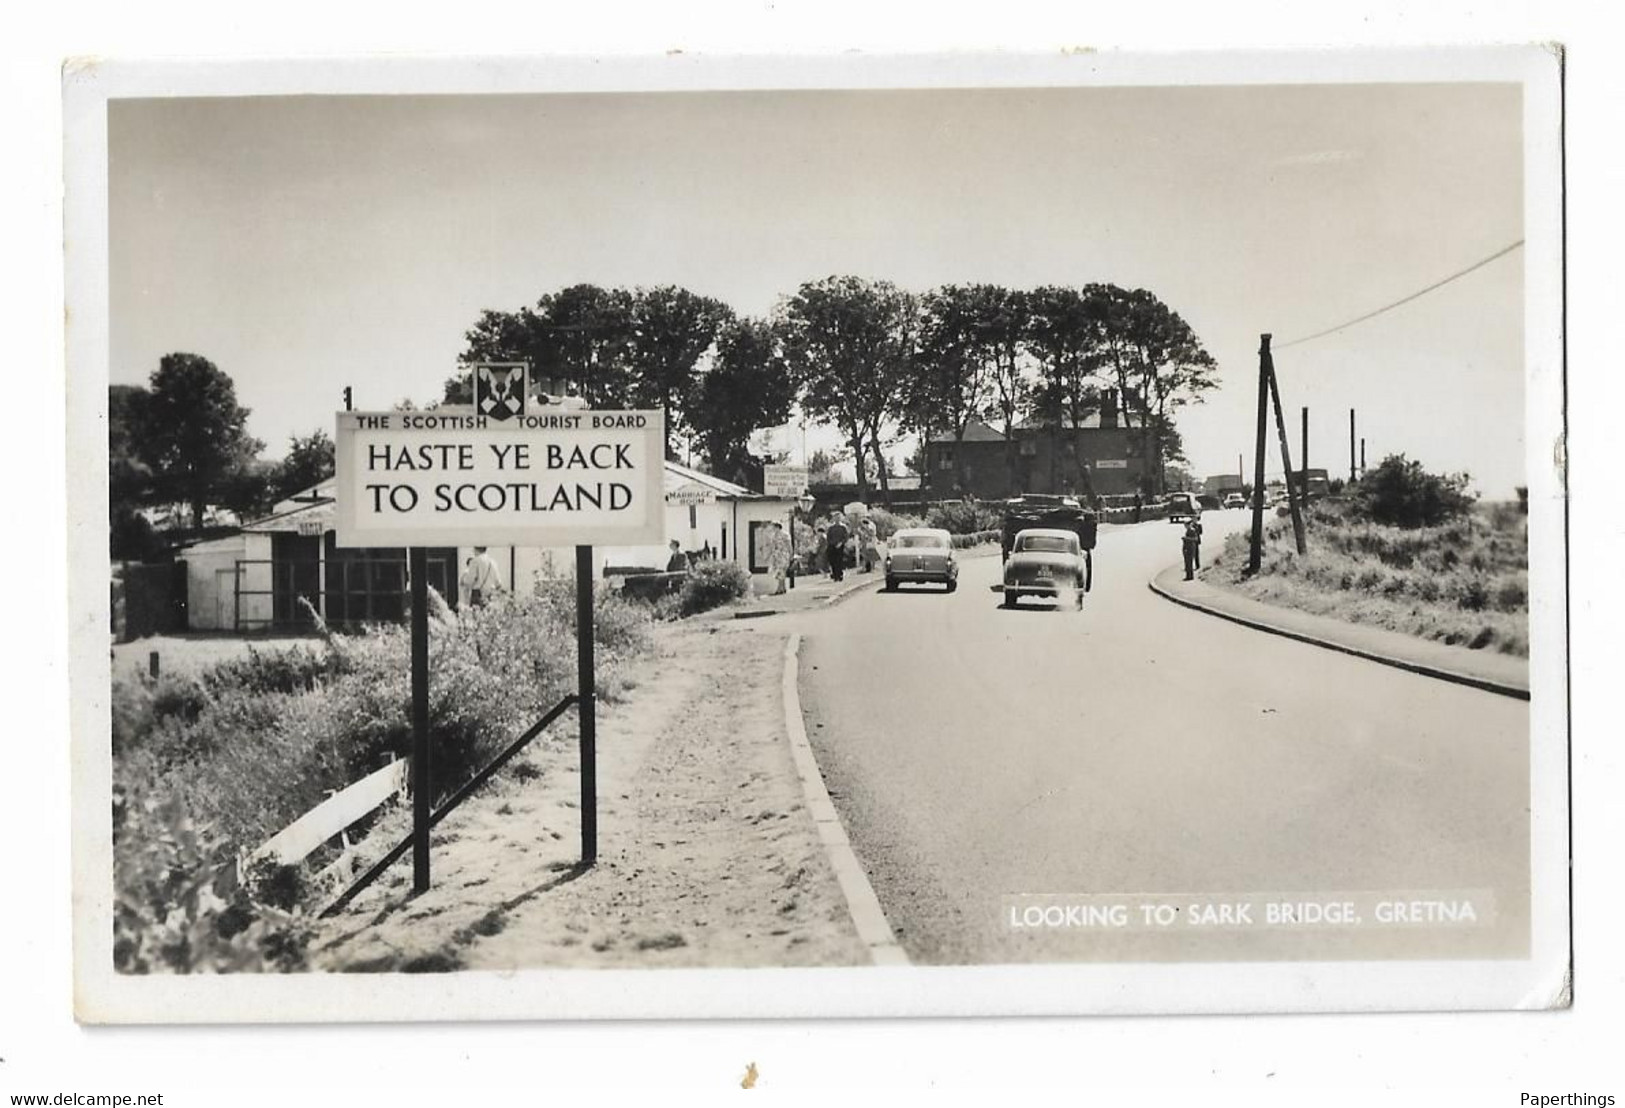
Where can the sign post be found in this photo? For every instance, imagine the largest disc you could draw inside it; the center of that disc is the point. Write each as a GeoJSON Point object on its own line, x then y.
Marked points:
{"type": "Point", "coordinates": [422, 770]}
{"type": "Point", "coordinates": [586, 706]}
{"type": "Point", "coordinates": [503, 477]}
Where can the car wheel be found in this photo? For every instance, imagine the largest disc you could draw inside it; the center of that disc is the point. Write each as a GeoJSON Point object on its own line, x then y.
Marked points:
{"type": "Point", "coordinates": [1088, 570]}
{"type": "Point", "coordinates": [891, 584]}
{"type": "Point", "coordinates": [1077, 600]}
{"type": "Point", "coordinates": [952, 585]}
{"type": "Point", "coordinates": [1009, 601]}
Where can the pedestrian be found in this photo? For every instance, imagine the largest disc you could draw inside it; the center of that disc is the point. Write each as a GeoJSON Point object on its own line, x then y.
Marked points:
{"type": "Point", "coordinates": [868, 543]}
{"type": "Point", "coordinates": [677, 562]}
{"type": "Point", "coordinates": [1191, 543]}
{"type": "Point", "coordinates": [835, 536]}
{"type": "Point", "coordinates": [480, 578]}
{"type": "Point", "coordinates": [1139, 503]}
{"type": "Point", "coordinates": [778, 556]}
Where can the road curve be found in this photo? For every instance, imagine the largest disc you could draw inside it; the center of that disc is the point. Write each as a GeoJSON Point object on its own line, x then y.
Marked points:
{"type": "Point", "coordinates": [1138, 747]}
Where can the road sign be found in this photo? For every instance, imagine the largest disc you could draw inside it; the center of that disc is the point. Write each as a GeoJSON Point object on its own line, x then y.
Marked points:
{"type": "Point", "coordinates": [1112, 463]}
{"type": "Point", "coordinates": [784, 481]}
{"type": "Point", "coordinates": [461, 478]}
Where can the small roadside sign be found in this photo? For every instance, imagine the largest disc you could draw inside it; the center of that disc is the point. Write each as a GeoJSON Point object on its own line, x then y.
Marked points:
{"type": "Point", "coordinates": [563, 478]}
{"type": "Point", "coordinates": [784, 481]}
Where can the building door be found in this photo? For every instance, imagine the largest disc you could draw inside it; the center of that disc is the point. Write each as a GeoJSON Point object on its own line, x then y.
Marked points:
{"type": "Point", "coordinates": [295, 575]}
{"type": "Point", "coordinates": [225, 600]}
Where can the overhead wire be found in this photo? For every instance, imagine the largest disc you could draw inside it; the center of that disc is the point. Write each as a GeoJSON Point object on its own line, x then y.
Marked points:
{"type": "Point", "coordinates": [1480, 264]}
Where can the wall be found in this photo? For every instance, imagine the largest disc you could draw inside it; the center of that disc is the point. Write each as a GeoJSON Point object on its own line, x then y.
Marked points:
{"type": "Point", "coordinates": [203, 563]}
{"type": "Point", "coordinates": [1038, 455]}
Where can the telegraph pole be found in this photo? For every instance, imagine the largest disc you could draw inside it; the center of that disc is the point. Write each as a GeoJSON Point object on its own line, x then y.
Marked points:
{"type": "Point", "coordinates": [1303, 455]}
{"type": "Point", "coordinates": [1292, 494]}
{"type": "Point", "coordinates": [1354, 474]}
{"type": "Point", "coordinates": [1362, 455]}
{"type": "Point", "coordinates": [1255, 552]}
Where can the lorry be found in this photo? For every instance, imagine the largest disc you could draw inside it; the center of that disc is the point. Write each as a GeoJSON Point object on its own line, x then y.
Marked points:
{"type": "Point", "coordinates": [1044, 510]}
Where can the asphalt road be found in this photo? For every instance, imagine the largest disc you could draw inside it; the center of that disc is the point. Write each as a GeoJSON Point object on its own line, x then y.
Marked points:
{"type": "Point", "coordinates": [1144, 749]}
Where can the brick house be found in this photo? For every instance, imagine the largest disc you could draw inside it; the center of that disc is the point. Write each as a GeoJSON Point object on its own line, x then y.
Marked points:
{"type": "Point", "coordinates": [1038, 458]}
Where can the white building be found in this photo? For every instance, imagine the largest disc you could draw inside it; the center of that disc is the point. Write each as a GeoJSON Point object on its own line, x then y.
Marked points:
{"type": "Point", "coordinates": [261, 579]}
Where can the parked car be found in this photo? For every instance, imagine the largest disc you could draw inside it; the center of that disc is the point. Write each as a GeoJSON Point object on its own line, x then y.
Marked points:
{"type": "Point", "coordinates": [921, 554]}
{"type": "Point", "coordinates": [1045, 561]}
{"type": "Point", "coordinates": [1235, 500]}
{"type": "Point", "coordinates": [1183, 506]}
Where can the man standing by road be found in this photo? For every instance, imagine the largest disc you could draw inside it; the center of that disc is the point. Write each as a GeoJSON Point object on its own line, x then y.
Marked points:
{"type": "Point", "coordinates": [480, 578]}
{"type": "Point", "coordinates": [835, 537]}
{"type": "Point", "coordinates": [1192, 545]}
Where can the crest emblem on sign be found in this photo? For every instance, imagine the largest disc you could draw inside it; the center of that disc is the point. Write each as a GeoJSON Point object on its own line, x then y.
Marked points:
{"type": "Point", "coordinates": [500, 388]}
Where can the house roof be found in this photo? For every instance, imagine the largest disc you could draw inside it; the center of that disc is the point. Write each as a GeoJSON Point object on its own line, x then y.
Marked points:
{"type": "Point", "coordinates": [679, 476]}
{"type": "Point", "coordinates": [975, 431]}
{"type": "Point", "coordinates": [290, 521]}
{"type": "Point", "coordinates": [1087, 423]}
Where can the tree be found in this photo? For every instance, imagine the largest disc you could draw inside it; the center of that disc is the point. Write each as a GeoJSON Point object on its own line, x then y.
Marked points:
{"type": "Point", "coordinates": [1157, 362]}
{"type": "Point", "coordinates": [821, 466]}
{"type": "Point", "coordinates": [129, 479]}
{"type": "Point", "coordinates": [193, 430]}
{"type": "Point", "coordinates": [1401, 493]}
{"type": "Point", "coordinates": [309, 462]}
{"type": "Point", "coordinates": [747, 387]}
{"type": "Point", "coordinates": [1064, 336]}
{"type": "Point", "coordinates": [249, 490]}
{"type": "Point", "coordinates": [953, 380]}
{"type": "Point", "coordinates": [671, 329]}
{"type": "Point", "coordinates": [850, 346]}
{"type": "Point", "coordinates": [579, 334]}
{"type": "Point", "coordinates": [1004, 334]}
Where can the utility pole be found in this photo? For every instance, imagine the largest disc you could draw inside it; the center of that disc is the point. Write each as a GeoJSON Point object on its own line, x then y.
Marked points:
{"type": "Point", "coordinates": [1303, 455]}
{"type": "Point", "coordinates": [1353, 474]}
{"type": "Point", "coordinates": [1362, 455]}
{"type": "Point", "coordinates": [1293, 496]}
{"type": "Point", "coordinates": [1255, 552]}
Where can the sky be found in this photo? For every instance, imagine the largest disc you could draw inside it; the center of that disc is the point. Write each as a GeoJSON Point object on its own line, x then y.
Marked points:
{"type": "Point", "coordinates": [308, 243]}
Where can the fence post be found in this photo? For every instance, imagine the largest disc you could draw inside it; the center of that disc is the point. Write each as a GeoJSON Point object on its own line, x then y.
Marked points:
{"type": "Point", "coordinates": [587, 705]}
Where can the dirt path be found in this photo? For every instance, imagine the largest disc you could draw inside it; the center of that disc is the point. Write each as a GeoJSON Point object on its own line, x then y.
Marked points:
{"type": "Point", "coordinates": [707, 856]}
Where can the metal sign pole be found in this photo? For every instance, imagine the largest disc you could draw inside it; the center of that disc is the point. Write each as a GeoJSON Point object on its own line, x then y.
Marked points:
{"type": "Point", "coordinates": [422, 777]}
{"type": "Point", "coordinates": [587, 705]}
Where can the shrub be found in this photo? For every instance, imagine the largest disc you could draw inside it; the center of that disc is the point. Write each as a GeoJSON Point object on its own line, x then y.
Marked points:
{"type": "Point", "coordinates": [1401, 493]}
{"type": "Point", "coordinates": [295, 669]}
{"type": "Point", "coordinates": [964, 517]}
{"type": "Point", "coordinates": [177, 908]}
{"type": "Point", "coordinates": [888, 523]}
{"type": "Point", "coordinates": [975, 538]}
{"type": "Point", "coordinates": [711, 585]}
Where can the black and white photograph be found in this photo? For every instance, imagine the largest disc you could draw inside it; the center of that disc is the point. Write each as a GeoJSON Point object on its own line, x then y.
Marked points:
{"type": "Point", "coordinates": [943, 535]}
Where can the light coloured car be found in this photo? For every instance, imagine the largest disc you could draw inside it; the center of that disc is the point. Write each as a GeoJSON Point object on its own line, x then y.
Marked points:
{"type": "Point", "coordinates": [1235, 500]}
{"type": "Point", "coordinates": [1045, 561]}
{"type": "Point", "coordinates": [921, 554]}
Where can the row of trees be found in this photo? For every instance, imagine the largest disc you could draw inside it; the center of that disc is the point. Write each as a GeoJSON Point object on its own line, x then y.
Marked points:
{"type": "Point", "coordinates": [183, 439]}
{"type": "Point", "coordinates": [867, 357]}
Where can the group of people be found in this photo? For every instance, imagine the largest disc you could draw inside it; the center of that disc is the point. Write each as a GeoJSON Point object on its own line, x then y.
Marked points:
{"type": "Point", "coordinates": [838, 544]}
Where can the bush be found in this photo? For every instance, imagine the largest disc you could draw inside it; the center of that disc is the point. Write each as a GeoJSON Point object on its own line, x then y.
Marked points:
{"type": "Point", "coordinates": [964, 517]}
{"type": "Point", "coordinates": [888, 524]}
{"type": "Point", "coordinates": [177, 907]}
{"type": "Point", "coordinates": [1401, 493]}
{"type": "Point", "coordinates": [711, 585]}
{"type": "Point", "coordinates": [976, 538]}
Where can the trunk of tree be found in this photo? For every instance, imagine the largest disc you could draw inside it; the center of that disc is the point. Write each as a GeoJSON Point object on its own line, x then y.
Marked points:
{"type": "Point", "coordinates": [200, 507]}
{"type": "Point", "coordinates": [885, 477]}
{"type": "Point", "coordinates": [960, 478]}
{"type": "Point", "coordinates": [856, 439]}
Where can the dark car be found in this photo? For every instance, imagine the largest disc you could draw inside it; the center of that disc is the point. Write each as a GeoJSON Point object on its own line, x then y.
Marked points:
{"type": "Point", "coordinates": [1047, 510]}
{"type": "Point", "coordinates": [1183, 506]}
{"type": "Point", "coordinates": [921, 554]}
{"type": "Point", "coordinates": [1045, 561]}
